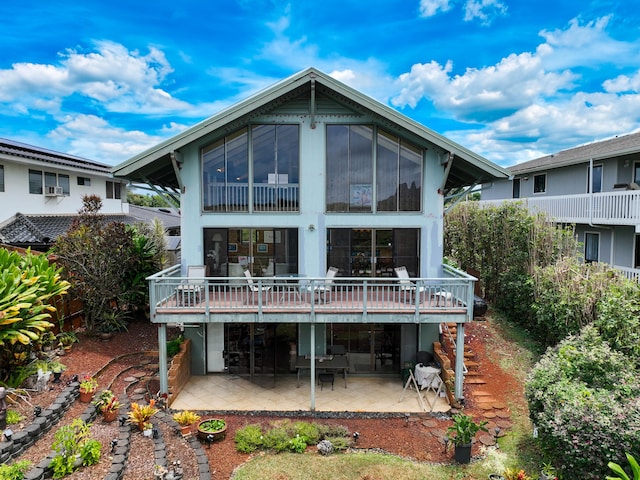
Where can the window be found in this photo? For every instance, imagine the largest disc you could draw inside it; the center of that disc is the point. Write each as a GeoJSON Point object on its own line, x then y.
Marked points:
{"type": "Point", "coordinates": [591, 247]}
{"type": "Point", "coordinates": [35, 182]}
{"type": "Point", "coordinates": [84, 181]}
{"type": "Point", "coordinates": [596, 182]}
{"type": "Point", "coordinates": [516, 188]}
{"type": "Point", "coordinates": [1, 178]}
{"type": "Point", "coordinates": [349, 168]}
{"type": "Point", "coordinates": [225, 173]}
{"type": "Point", "coordinates": [114, 190]}
{"type": "Point", "coordinates": [540, 183]}
{"type": "Point", "coordinates": [54, 183]}
{"type": "Point", "coordinates": [352, 179]}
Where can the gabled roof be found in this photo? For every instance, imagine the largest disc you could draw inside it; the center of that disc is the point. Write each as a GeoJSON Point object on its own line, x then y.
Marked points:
{"type": "Point", "coordinates": [156, 166]}
{"type": "Point", "coordinates": [20, 152]}
{"type": "Point", "coordinates": [602, 150]}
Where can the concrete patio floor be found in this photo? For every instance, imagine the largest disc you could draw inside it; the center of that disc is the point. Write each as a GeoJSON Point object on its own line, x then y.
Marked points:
{"type": "Point", "coordinates": [224, 392]}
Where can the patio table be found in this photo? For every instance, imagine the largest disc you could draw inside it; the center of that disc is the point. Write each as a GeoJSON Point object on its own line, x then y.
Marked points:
{"type": "Point", "coordinates": [339, 363]}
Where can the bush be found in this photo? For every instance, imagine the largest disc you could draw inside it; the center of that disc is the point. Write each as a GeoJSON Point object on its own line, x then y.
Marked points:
{"type": "Point", "coordinates": [15, 471]}
{"type": "Point", "coordinates": [584, 398]}
{"type": "Point", "coordinates": [249, 439]}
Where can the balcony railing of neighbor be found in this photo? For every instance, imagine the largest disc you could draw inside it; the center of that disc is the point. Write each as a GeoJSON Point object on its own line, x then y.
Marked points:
{"type": "Point", "coordinates": [171, 293]}
{"type": "Point", "coordinates": [606, 208]}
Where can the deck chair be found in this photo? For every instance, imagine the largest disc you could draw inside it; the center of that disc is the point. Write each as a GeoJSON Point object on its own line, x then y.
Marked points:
{"type": "Point", "coordinates": [254, 287]}
{"type": "Point", "coordinates": [191, 291]}
{"type": "Point", "coordinates": [321, 289]}
{"type": "Point", "coordinates": [407, 287]}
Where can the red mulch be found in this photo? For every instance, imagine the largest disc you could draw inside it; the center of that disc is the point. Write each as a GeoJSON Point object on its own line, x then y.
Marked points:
{"type": "Point", "coordinates": [419, 438]}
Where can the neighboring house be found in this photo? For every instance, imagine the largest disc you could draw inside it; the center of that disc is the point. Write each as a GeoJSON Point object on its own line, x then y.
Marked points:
{"type": "Point", "coordinates": [39, 232]}
{"type": "Point", "coordinates": [303, 176]}
{"type": "Point", "coordinates": [34, 180]}
{"type": "Point", "coordinates": [595, 187]}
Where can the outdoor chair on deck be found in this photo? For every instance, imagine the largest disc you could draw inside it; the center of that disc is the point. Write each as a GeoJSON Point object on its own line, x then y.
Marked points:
{"type": "Point", "coordinates": [407, 287]}
{"type": "Point", "coordinates": [190, 292]}
{"type": "Point", "coordinates": [255, 287]}
{"type": "Point", "coordinates": [320, 290]}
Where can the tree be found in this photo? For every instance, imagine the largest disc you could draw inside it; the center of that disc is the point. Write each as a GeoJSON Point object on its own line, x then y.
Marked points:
{"type": "Point", "coordinates": [27, 284]}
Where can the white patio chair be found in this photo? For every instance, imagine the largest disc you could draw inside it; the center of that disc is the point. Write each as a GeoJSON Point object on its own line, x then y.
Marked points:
{"type": "Point", "coordinates": [255, 287]}
{"type": "Point", "coordinates": [190, 292]}
{"type": "Point", "coordinates": [320, 289]}
{"type": "Point", "coordinates": [407, 287]}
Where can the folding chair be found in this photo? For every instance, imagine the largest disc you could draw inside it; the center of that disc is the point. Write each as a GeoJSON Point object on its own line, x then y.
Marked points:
{"type": "Point", "coordinates": [190, 292]}
{"type": "Point", "coordinates": [407, 287]}
{"type": "Point", "coordinates": [254, 287]}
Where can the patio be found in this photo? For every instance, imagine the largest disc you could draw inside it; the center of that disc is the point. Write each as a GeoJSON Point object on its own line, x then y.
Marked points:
{"type": "Point", "coordinates": [223, 392]}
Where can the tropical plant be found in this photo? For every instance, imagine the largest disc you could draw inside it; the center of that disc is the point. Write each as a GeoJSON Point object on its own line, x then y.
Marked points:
{"type": "Point", "coordinates": [13, 417]}
{"type": "Point", "coordinates": [15, 471]}
{"type": "Point", "coordinates": [88, 384]}
{"type": "Point", "coordinates": [140, 414]}
{"type": "Point", "coordinates": [515, 474]}
{"type": "Point", "coordinates": [107, 402]}
{"type": "Point", "coordinates": [186, 417]}
{"type": "Point", "coordinates": [464, 428]}
{"type": "Point", "coordinates": [621, 474]}
{"type": "Point", "coordinates": [28, 283]}
{"type": "Point", "coordinates": [70, 442]}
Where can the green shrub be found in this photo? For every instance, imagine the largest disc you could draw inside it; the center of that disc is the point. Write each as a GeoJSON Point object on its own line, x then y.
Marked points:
{"type": "Point", "coordinates": [173, 346]}
{"type": "Point", "coordinates": [618, 317]}
{"type": "Point", "coordinates": [15, 471]}
{"type": "Point", "coordinates": [308, 431]}
{"type": "Point", "coordinates": [584, 399]}
{"type": "Point", "coordinates": [70, 441]}
{"type": "Point", "coordinates": [277, 438]}
{"type": "Point", "coordinates": [298, 444]}
{"type": "Point", "coordinates": [249, 439]}
{"type": "Point", "coordinates": [13, 417]}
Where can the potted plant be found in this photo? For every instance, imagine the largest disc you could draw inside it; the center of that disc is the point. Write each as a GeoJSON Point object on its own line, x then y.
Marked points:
{"type": "Point", "coordinates": [57, 368]}
{"type": "Point", "coordinates": [140, 414]}
{"type": "Point", "coordinates": [113, 321]}
{"type": "Point", "coordinates": [108, 404]}
{"type": "Point", "coordinates": [147, 429]}
{"type": "Point", "coordinates": [88, 386]}
{"type": "Point", "coordinates": [185, 419]}
{"type": "Point", "coordinates": [66, 340]}
{"type": "Point", "coordinates": [515, 474]}
{"type": "Point", "coordinates": [461, 434]}
{"type": "Point", "coordinates": [212, 429]}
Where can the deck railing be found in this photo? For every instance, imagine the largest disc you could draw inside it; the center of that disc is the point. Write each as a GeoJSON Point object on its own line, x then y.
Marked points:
{"type": "Point", "coordinates": [171, 293]}
{"type": "Point", "coordinates": [606, 208]}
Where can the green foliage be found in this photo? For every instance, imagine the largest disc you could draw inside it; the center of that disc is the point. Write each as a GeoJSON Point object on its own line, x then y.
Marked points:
{"type": "Point", "coordinates": [464, 428]}
{"type": "Point", "coordinates": [584, 398]}
{"type": "Point", "coordinates": [173, 346]}
{"type": "Point", "coordinates": [288, 436]}
{"type": "Point", "coordinates": [618, 317]}
{"type": "Point", "coordinates": [15, 471]}
{"type": "Point", "coordinates": [249, 439]}
{"type": "Point", "coordinates": [621, 474]}
{"type": "Point", "coordinates": [13, 417]}
{"type": "Point", "coordinates": [495, 240]}
{"type": "Point", "coordinates": [28, 283]}
{"type": "Point", "coordinates": [71, 441]}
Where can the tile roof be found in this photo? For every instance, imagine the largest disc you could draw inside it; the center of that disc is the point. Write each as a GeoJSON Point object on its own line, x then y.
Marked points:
{"type": "Point", "coordinates": [602, 150]}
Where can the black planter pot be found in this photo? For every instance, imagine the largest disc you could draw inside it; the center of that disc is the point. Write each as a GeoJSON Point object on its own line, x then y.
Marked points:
{"type": "Point", "coordinates": [462, 453]}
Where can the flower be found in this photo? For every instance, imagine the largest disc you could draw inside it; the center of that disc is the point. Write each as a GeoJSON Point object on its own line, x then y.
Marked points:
{"type": "Point", "coordinates": [88, 384]}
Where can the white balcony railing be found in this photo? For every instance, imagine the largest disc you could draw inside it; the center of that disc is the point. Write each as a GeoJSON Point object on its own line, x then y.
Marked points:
{"type": "Point", "coordinates": [607, 208]}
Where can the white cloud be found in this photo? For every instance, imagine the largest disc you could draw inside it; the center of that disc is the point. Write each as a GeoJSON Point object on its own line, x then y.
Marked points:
{"type": "Point", "coordinates": [623, 83]}
{"type": "Point", "coordinates": [92, 137]}
{"type": "Point", "coordinates": [483, 10]}
{"type": "Point", "coordinates": [429, 8]}
{"type": "Point", "coordinates": [118, 79]}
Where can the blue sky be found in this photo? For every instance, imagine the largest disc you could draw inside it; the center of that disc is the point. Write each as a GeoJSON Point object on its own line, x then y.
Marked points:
{"type": "Point", "coordinates": [511, 80]}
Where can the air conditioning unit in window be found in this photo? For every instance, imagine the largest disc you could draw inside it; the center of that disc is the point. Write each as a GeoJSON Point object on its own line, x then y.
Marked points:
{"type": "Point", "coordinates": [53, 191]}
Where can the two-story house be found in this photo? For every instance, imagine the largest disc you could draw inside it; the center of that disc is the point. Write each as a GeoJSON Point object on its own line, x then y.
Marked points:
{"type": "Point", "coordinates": [307, 178]}
{"type": "Point", "coordinates": [594, 186]}
{"type": "Point", "coordinates": [34, 180]}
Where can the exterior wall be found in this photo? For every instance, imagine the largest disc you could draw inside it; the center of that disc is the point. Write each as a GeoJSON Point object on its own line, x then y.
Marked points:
{"type": "Point", "coordinates": [312, 243]}
{"type": "Point", "coordinates": [16, 192]}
